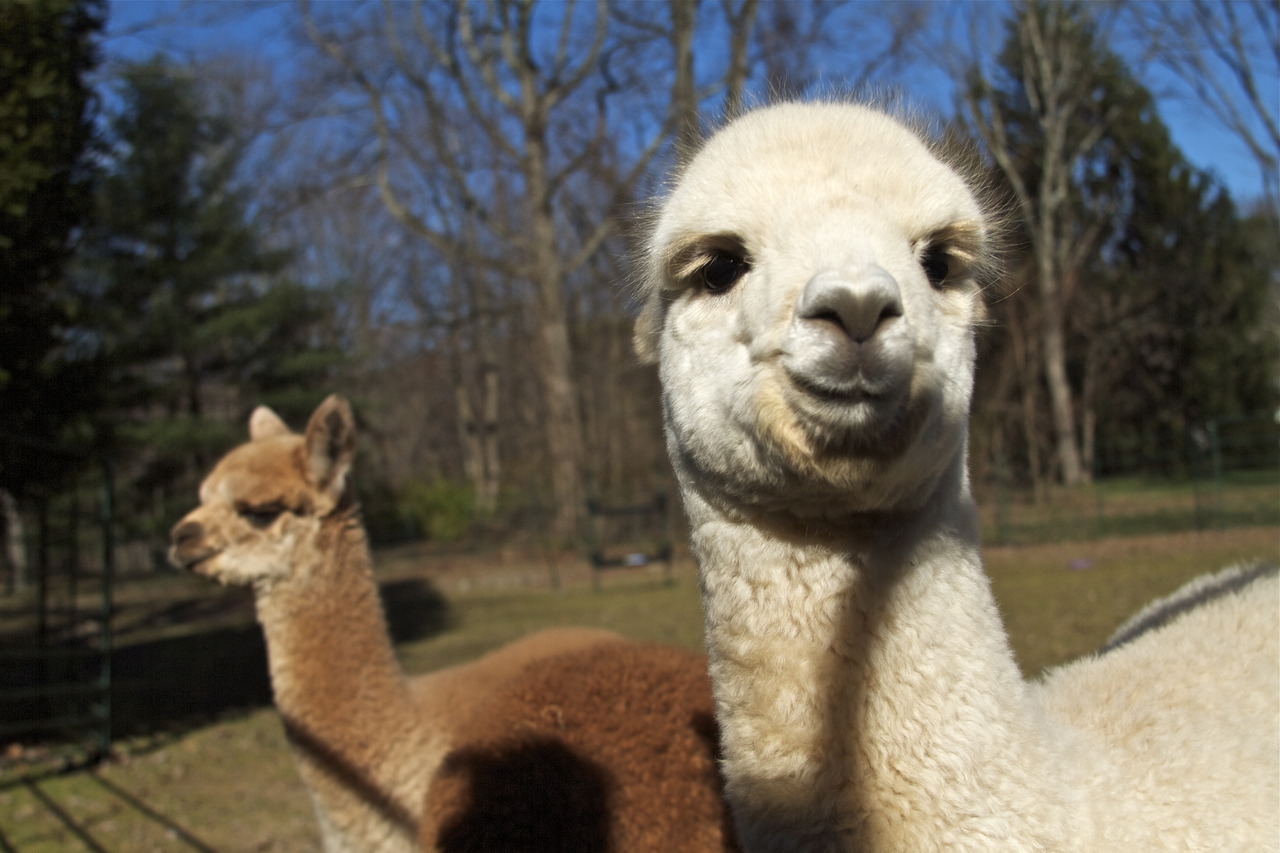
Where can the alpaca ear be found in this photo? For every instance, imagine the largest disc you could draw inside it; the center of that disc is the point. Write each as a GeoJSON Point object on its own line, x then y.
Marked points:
{"type": "Point", "coordinates": [264, 423]}
{"type": "Point", "coordinates": [330, 445]}
{"type": "Point", "coordinates": [648, 328]}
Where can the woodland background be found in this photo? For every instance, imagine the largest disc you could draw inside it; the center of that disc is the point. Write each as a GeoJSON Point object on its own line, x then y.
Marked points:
{"type": "Point", "coordinates": [430, 206]}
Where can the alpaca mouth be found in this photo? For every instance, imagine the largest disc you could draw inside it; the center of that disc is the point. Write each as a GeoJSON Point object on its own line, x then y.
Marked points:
{"type": "Point", "coordinates": [848, 379]}
{"type": "Point", "coordinates": [197, 563]}
{"type": "Point", "coordinates": [854, 392]}
{"type": "Point", "coordinates": [846, 420]}
{"type": "Point", "coordinates": [853, 401]}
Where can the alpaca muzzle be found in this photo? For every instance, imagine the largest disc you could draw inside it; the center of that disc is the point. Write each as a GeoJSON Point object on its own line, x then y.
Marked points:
{"type": "Point", "coordinates": [187, 548]}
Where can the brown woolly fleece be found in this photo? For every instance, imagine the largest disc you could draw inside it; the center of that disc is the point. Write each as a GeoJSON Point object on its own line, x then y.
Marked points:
{"type": "Point", "coordinates": [609, 748]}
{"type": "Point", "coordinates": [567, 739]}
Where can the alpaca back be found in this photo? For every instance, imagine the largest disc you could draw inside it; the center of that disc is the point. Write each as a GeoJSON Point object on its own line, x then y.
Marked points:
{"type": "Point", "coordinates": [1193, 702]}
{"type": "Point", "coordinates": [612, 747]}
{"type": "Point", "coordinates": [449, 697]}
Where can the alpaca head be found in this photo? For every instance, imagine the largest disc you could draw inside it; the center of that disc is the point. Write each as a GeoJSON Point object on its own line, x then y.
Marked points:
{"type": "Point", "coordinates": [262, 505]}
{"type": "Point", "coordinates": [810, 297]}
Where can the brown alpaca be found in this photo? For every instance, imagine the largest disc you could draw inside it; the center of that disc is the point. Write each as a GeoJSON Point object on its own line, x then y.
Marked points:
{"type": "Point", "coordinates": [623, 729]}
{"type": "Point", "coordinates": [611, 747]}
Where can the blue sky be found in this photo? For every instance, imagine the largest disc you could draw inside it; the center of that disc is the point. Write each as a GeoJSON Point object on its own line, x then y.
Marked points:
{"type": "Point", "coordinates": [1205, 143]}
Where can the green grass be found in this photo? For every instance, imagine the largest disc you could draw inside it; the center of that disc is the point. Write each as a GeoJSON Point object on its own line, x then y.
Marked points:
{"type": "Point", "coordinates": [212, 774]}
{"type": "Point", "coordinates": [1132, 506]}
{"type": "Point", "coordinates": [1063, 600]}
{"type": "Point", "coordinates": [649, 610]}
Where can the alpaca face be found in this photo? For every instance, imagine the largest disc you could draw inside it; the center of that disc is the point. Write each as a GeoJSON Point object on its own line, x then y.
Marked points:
{"type": "Point", "coordinates": [811, 301]}
{"type": "Point", "coordinates": [261, 507]}
{"type": "Point", "coordinates": [255, 511]}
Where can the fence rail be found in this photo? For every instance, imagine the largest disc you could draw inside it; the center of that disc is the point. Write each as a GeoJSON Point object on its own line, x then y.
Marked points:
{"type": "Point", "coordinates": [55, 631]}
{"type": "Point", "coordinates": [1225, 475]}
{"type": "Point", "coordinates": [55, 621]}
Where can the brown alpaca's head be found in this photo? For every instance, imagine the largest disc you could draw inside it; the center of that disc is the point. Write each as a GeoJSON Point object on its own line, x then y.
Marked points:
{"type": "Point", "coordinates": [262, 506]}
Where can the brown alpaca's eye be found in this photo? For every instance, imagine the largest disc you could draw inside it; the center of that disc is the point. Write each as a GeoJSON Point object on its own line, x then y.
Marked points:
{"type": "Point", "coordinates": [936, 265]}
{"type": "Point", "coordinates": [260, 516]}
{"type": "Point", "coordinates": [722, 271]}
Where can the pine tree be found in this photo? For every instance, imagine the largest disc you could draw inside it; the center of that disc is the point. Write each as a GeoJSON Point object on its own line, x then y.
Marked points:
{"type": "Point", "coordinates": [1179, 314]}
{"type": "Point", "coordinates": [47, 110]}
{"type": "Point", "coordinates": [1158, 294]}
{"type": "Point", "coordinates": [1042, 115]}
{"type": "Point", "coordinates": [193, 315]}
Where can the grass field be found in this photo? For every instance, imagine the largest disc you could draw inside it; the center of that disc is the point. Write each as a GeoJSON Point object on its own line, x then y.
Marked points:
{"type": "Point", "coordinates": [1130, 506]}
{"type": "Point", "coordinates": [202, 764]}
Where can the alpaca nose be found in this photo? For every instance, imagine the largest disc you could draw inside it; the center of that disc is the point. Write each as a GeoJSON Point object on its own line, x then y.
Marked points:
{"type": "Point", "coordinates": [185, 534]}
{"type": "Point", "coordinates": [860, 304]}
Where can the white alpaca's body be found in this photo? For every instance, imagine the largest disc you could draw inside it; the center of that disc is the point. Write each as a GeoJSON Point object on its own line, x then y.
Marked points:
{"type": "Point", "coordinates": [811, 298]}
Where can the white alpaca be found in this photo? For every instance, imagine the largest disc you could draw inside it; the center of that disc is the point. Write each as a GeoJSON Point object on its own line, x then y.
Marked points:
{"type": "Point", "coordinates": [811, 289]}
{"type": "Point", "coordinates": [396, 765]}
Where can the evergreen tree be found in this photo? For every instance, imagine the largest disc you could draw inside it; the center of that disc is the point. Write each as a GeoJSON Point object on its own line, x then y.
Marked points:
{"type": "Point", "coordinates": [1157, 295]}
{"type": "Point", "coordinates": [47, 50]}
{"type": "Point", "coordinates": [1180, 304]}
{"type": "Point", "coordinates": [194, 318]}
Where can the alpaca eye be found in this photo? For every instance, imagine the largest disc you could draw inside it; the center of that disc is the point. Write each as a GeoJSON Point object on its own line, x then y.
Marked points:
{"type": "Point", "coordinates": [936, 265]}
{"type": "Point", "coordinates": [260, 516]}
{"type": "Point", "coordinates": [722, 271]}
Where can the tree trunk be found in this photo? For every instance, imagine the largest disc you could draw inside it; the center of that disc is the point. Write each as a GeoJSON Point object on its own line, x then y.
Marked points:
{"type": "Point", "coordinates": [1025, 358]}
{"type": "Point", "coordinates": [684, 98]}
{"type": "Point", "coordinates": [553, 352]}
{"type": "Point", "coordinates": [1054, 352]}
{"type": "Point", "coordinates": [563, 428]}
{"type": "Point", "coordinates": [476, 386]}
{"type": "Point", "coordinates": [491, 463]}
{"type": "Point", "coordinates": [12, 536]}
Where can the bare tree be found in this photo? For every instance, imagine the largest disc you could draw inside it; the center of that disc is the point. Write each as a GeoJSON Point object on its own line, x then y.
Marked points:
{"type": "Point", "coordinates": [478, 97]}
{"type": "Point", "coordinates": [1227, 54]}
{"type": "Point", "coordinates": [852, 46]}
{"type": "Point", "coordinates": [13, 549]}
{"type": "Point", "coordinates": [1050, 101]}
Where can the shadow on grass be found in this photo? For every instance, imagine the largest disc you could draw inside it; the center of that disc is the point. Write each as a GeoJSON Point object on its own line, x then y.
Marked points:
{"type": "Point", "coordinates": [193, 668]}
{"type": "Point", "coordinates": [54, 808]}
{"type": "Point", "coordinates": [60, 811]}
{"type": "Point", "coordinates": [172, 828]}
{"type": "Point", "coordinates": [172, 670]}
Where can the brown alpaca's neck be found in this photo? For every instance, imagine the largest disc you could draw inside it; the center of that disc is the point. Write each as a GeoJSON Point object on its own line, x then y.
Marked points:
{"type": "Point", "coordinates": [325, 627]}
{"type": "Point", "coordinates": [338, 687]}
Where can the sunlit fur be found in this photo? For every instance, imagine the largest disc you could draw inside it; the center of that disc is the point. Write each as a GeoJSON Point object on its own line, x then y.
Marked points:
{"type": "Point", "coordinates": [395, 764]}
{"type": "Point", "coordinates": [816, 412]}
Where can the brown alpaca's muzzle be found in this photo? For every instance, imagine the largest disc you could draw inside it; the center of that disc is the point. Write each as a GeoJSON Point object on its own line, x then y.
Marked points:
{"type": "Point", "coordinates": [187, 547]}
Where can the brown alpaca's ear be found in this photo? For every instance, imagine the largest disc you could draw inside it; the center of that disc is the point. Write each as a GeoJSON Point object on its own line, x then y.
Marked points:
{"type": "Point", "coordinates": [330, 445]}
{"type": "Point", "coordinates": [264, 423]}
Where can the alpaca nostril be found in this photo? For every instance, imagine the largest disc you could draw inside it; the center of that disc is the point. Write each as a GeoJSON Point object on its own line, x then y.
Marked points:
{"type": "Point", "coordinates": [860, 305]}
{"type": "Point", "coordinates": [186, 533]}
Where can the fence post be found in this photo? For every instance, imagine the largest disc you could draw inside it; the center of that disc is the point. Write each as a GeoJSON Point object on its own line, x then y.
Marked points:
{"type": "Point", "coordinates": [1197, 447]}
{"type": "Point", "coordinates": [107, 609]}
{"type": "Point", "coordinates": [1215, 461]}
{"type": "Point", "coordinates": [1002, 497]}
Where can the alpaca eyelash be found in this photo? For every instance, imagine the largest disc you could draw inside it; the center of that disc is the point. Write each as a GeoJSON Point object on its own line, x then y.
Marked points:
{"type": "Point", "coordinates": [946, 263]}
{"type": "Point", "coordinates": [938, 265]}
{"type": "Point", "coordinates": [261, 515]}
{"type": "Point", "coordinates": [952, 255]}
{"type": "Point", "coordinates": [711, 264]}
{"type": "Point", "coordinates": [721, 270]}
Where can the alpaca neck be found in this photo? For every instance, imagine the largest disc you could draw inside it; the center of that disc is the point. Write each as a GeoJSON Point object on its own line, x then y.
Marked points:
{"type": "Point", "coordinates": [864, 684]}
{"type": "Point", "coordinates": [340, 691]}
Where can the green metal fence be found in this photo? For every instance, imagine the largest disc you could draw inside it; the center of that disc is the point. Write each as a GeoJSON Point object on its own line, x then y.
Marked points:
{"type": "Point", "coordinates": [1224, 475]}
{"type": "Point", "coordinates": [55, 623]}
